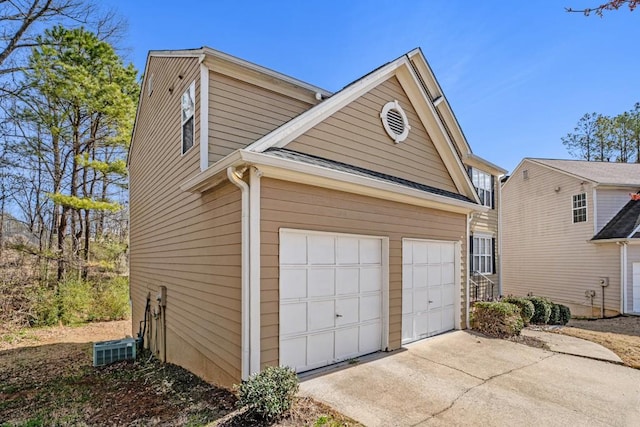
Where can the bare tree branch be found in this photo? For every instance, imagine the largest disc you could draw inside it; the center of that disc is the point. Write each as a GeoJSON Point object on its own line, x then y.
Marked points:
{"type": "Point", "coordinates": [609, 6]}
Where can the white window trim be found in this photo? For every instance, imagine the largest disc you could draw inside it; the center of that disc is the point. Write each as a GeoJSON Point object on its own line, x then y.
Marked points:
{"type": "Point", "coordinates": [395, 105]}
{"type": "Point", "coordinates": [487, 187]}
{"type": "Point", "coordinates": [574, 209]}
{"type": "Point", "coordinates": [490, 255]}
{"type": "Point", "coordinates": [192, 91]}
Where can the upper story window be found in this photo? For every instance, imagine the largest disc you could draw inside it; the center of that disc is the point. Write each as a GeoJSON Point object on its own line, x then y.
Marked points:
{"type": "Point", "coordinates": [580, 208]}
{"type": "Point", "coordinates": [483, 182]}
{"type": "Point", "coordinates": [188, 106]}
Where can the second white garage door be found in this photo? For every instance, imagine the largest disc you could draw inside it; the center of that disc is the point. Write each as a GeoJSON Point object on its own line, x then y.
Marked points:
{"type": "Point", "coordinates": [331, 297]}
{"type": "Point", "coordinates": [428, 288]}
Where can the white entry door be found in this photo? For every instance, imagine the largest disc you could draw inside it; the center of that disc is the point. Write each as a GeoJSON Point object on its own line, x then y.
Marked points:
{"type": "Point", "coordinates": [636, 287]}
{"type": "Point", "coordinates": [428, 288]}
{"type": "Point", "coordinates": [331, 299]}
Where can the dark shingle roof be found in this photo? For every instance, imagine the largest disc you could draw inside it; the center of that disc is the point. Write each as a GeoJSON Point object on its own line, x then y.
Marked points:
{"type": "Point", "coordinates": [623, 224]}
{"type": "Point", "coordinates": [355, 170]}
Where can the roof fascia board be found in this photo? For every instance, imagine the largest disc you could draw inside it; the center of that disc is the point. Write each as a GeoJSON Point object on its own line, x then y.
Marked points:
{"type": "Point", "coordinates": [472, 159]}
{"type": "Point", "coordinates": [275, 167]}
{"type": "Point", "coordinates": [263, 70]}
{"type": "Point", "coordinates": [140, 96]}
{"type": "Point", "coordinates": [610, 186]}
{"type": "Point", "coordinates": [431, 81]}
{"type": "Point", "coordinates": [635, 230]}
{"type": "Point", "coordinates": [426, 111]}
{"type": "Point", "coordinates": [554, 168]}
{"type": "Point", "coordinates": [257, 78]}
{"type": "Point", "coordinates": [630, 241]}
{"type": "Point", "coordinates": [305, 121]}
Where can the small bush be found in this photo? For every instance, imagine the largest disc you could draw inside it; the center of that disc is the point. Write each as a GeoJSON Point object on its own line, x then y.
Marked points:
{"type": "Point", "coordinates": [76, 300]}
{"type": "Point", "coordinates": [527, 308]}
{"type": "Point", "coordinates": [270, 393]}
{"type": "Point", "coordinates": [542, 310]}
{"type": "Point", "coordinates": [112, 300]}
{"type": "Point", "coordinates": [565, 314]}
{"type": "Point", "coordinates": [554, 317]}
{"type": "Point", "coordinates": [497, 319]}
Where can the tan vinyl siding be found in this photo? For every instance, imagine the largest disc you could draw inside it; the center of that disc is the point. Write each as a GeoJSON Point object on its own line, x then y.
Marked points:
{"type": "Point", "coordinates": [292, 205]}
{"type": "Point", "coordinates": [242, 113]}
{"type": "Point", "coordinates": [189, 243]}
{"type": "Point", "coordinates": [544, 252]}
{"type": "Point", "coordinates": [355, 135]}
{"type": "Point", "coordinates": [609, 202]}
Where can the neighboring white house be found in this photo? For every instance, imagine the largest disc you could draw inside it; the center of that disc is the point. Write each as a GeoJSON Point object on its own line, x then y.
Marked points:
{"type": "Point", "coordinates": [571, 232]}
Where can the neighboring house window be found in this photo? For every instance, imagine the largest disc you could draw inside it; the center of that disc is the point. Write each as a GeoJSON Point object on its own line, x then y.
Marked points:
{"type": "Point", "coordinates": [482, 254]}
{"type": "Point", "coordinates": [580, 208]}
{"type": "Point", "coordinates": [483, 182]}
{"type": "Point", "coordinates": [188, 102]}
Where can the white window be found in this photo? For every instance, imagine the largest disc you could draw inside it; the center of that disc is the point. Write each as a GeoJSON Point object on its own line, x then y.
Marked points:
{"type": "Point", "coordinates": [483, 183]}
{"type": "Point", "coordinates": [482, 254]}
{"type": "Point", "coordinates": [580, 208]}
{"type": "Point", "coordinates": [188, 102]}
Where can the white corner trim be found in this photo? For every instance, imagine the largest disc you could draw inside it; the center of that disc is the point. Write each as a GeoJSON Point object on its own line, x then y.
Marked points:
{"type": "Point", "coordinates": [254, 269]}
{"type": "Point", "coordinates": [468, 258]}
{"type": "Point", "coordinates": [385, 294]}
{"type": "Point", "coordinates": [623, 277]}
{"type": "Point", "coordinates": [204, 117]}
{"type": "Point", "coordinates": [458, 283]}
{"type": "Point", "coordinates": [305, 121]}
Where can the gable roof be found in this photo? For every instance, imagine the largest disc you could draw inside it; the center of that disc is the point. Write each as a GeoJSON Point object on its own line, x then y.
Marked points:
{"type": "Point", "coordinates": [344, 167]}
{"type": "Point", "coordinates": [404, 69]}
{"type": "Point", "coordinates": [604, 173]}
{"type": "Point", "coordinates": [624, 225]}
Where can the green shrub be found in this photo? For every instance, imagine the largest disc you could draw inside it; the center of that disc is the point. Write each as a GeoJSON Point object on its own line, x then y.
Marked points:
{"type": "Point", "coordinates": [542, 310]}
{"type": "Point", "coordinates": [112, 300]}
{"type": "Point", "coordinates": [44, 307]}
{"type": "Point", "coordinates": [76, 299]}
{"type": "Point", "coordinates": [554, 316]}
{"type": "Point", "coordinates": [497, 319]}
{"type": "Point", "coordinates": [565, 314]}
{"type": "Point", "coordinates": [269, 394]}
{"type": "Point", "coordinates": [527, 308]}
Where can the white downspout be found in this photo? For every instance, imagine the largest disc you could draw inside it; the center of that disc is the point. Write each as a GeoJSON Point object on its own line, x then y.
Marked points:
{"type": "Point", "coordinates": [254, 262]}
{"type": "Point", "coordinates": [235, 177]}
{"type": "Point", "coordinates": [468, 256]}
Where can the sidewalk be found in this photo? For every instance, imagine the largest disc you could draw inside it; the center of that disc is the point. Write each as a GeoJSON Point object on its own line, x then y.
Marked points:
{"type": "Point", "coordinates": [574, 346]}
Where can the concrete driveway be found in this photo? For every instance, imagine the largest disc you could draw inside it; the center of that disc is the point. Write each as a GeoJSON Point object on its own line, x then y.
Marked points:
{"type": "Point", "coordinates": [462, 379]}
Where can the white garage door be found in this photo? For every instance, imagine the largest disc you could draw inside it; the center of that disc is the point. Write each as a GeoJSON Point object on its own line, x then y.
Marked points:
{"type": "Point", "coordinates": [428, 288]}
{"type": "Point", "coordinates": [330, 297]}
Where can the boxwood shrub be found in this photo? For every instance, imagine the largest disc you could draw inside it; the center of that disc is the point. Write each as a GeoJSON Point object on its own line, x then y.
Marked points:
{"type": "Point", "coordinates": [542, 308]}
{"type": "Point", "coordinates": [554, 316]}
{"type": "Point", "coordinates": [565, 314]}
{"type": "Point", "coordinates": [496, 319]}
{"type": "Point", "coordinates": [527, 308]}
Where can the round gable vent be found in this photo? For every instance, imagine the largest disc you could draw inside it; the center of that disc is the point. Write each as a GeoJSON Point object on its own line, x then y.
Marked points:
{"type": "Point", "coordinates": [395, 121]}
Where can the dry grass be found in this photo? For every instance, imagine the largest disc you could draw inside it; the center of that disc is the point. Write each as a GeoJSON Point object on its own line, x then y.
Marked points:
{"type": "Point", "coordinates": [619, 334]}
{"type": "Point", "coordinates": [47, 379]}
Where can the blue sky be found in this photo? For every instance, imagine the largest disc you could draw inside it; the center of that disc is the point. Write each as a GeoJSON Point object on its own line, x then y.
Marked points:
{"type": "Point", "coordinates": [518, 74]}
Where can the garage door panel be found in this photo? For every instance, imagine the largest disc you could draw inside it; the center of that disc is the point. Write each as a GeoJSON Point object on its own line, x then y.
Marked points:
{"type": "Point", "coordinates": [293, 249]}
{"type": "Point", "coordinates": [348, 250]}
{"type": "Point", "coordinates": [319, 349]}
{"type": "Point", "coordinates": [370, 338]}
{"type": "Point", "coordinates": [429, 289]}
{"type": "Point", "coordinates": [370, 251]}
{"type": "Point", "coordinates": [321, 282]}
{"type": "Point", "coordinates": [321, 315]}
{"type": "Point", "coordinates": [371, 279]}
{"type": "Point", "coordinates": [330, 298]}
{"type": "Point", "coordinates": [370, 307]}
{"type": "Point", "coordinates": [290, 315]}
{"type": "Point", "coordinates": [347, 279]}
{"type": "Point", "coordinates": [347, 342]}
{"type": "Point", "coordinates": [347, 311]}
{"type": "Point", "coordinates": [321, 249]}
{"type": "Point", "coordinates": [293, 352]}
{"type": "Point", "coordinates": [293, 283]}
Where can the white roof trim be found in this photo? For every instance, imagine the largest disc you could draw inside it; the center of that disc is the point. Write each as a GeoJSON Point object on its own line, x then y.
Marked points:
{"type": "Point", "coordinates": [296, 171]}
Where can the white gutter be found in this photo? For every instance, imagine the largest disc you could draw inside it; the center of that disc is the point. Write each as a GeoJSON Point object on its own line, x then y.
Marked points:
{"type": "Point", "coordinates": [254, 262]}
{"type": "Point", "coordinates": [235, 177]}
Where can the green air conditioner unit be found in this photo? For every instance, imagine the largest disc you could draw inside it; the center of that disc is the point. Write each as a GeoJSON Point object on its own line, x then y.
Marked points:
{"type": "Point", "coordinates": [107, 352]}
